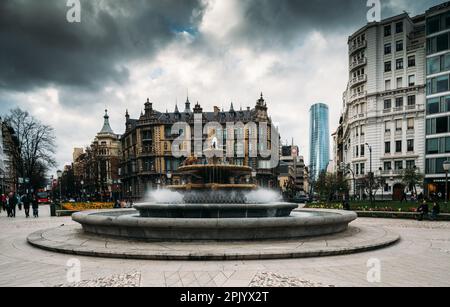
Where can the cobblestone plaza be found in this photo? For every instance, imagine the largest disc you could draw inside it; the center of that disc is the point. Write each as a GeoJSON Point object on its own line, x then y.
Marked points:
{"type": "Point", "coordinates": [419, 259]}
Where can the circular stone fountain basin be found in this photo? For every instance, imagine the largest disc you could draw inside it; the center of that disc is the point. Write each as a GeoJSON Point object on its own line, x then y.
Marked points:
{"type": "Point", "coordinates": [220, 211]}
{"type": "Point", "coordinates": [128, 224]}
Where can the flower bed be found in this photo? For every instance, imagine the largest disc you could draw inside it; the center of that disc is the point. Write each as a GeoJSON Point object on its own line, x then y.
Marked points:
{"type": "Point", "coordinates": [399, 207]}
{"type": "Point", "coordinates": [86, 206]}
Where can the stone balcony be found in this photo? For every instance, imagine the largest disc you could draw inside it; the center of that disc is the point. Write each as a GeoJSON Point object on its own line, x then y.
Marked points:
{"type": "Point", "coordinates": [357, 46]}
{"type": "Point", "coordinates": [358, 80]}
{"type": "Point", "coordinates": [358, 63]}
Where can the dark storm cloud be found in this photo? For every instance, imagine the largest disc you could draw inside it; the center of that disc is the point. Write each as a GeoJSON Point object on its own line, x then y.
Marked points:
{"type": "Point", "coordinates": [39, 47]}
{"type": "Point", "coordinates": [271, 23]}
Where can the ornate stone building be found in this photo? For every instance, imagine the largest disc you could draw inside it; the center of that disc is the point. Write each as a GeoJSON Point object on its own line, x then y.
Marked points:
{"type": "Point", "coordinates": [8, 149]}
{"type": "Point", "coordinates": [147, 158]}
{"type": "Point", "coordinates": [97, 169]}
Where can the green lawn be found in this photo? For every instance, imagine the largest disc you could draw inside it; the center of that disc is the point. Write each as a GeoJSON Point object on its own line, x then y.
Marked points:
{"type": "Point", "coordinates": [377, 206]}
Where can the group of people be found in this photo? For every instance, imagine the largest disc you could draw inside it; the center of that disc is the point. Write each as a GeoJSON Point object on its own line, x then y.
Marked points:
{"type": "Point", "coordinates": [12, 201]}
{"type": "Point", "coordinates": [424, 211]}
{"type": "Point", "coordinates": [121, 204]}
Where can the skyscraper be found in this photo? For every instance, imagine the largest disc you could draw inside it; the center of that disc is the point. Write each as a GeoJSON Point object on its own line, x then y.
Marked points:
{"type": "Point", "coordinates": [319, 143]}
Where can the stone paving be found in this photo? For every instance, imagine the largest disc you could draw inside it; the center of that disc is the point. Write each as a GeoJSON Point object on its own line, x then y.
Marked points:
{"type": "Point", "coordinates": [421, 258]}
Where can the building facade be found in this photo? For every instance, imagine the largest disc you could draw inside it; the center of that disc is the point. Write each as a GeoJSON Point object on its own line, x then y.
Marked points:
{"type": "Point", "coordinates": [382, 128]}
{"type": "Point", "coordinates": [96, 169]}
{"type": "Point", "coordinates": [8, 156]}
{"type": "Point", "coordinates": [292, 170]}
{"type": "Point", "coordinates": [147, 160]}
{"type": "Point", "coordinates": [319, 140]}
{"type": "Point", "coordinates": [438, 98]}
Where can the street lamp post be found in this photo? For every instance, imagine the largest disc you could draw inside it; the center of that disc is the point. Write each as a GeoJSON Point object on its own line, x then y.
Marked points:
{"type": "Point", "coordinates": [446, 167]}
{"type": "Point", "coordinates": [371, 174]}
{"type": "Point", "coordinates": [59, 174]}
{"type": "Point", "coordinates": [82, 190]}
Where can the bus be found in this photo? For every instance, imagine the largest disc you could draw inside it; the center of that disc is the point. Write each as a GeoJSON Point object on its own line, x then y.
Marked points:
{"type": "Point", "coordinates": [43, 197]}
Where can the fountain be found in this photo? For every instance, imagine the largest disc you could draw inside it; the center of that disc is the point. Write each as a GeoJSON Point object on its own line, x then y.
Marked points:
{"type": "Point", "coordinates": [217, 204]}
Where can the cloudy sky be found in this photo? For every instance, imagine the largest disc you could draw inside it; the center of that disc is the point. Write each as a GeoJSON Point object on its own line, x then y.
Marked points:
{"type": "Point", "coordinates": [221, 51]}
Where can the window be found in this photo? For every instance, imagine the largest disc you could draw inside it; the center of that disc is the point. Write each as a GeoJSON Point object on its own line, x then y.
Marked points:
{"type": "Point", "coordinates": [399, 27]}
{"type": "Point", "coordinates": [399, 82]}
{"type": "Point", "coordinates": [387, 30]}
{"type": "Point", "coordinates": [433, 24]}
{"type": "Point", "coordinates": [387, 166]}
{"type": "Point", "coordinates": [442, 125]}
{"type": "Point", "coordinates": [399, 102]}
{"type": "Point", "coordinates": [412, 61]}
{"type": "Point", "coordinates": [433, 65]}
{"type": "Point", "coordinates": [363, 168]}
{"type": "Point", "coordinates": [398, 125]}
{"type": "Point", "coordinates": [412, 80]}
{"type": "Point", "coordinates": [387, 147]}
{"type": "Point", "coordinates": [442, 42]}
{"type": "Point", "coordinates": [362, 151]}
{"type": "Point", "coordinates": [410, 145]}
{"type": "Point", "coordinates": [387, 104]}
{"type": "Point", "coordinates": [399, 46]}
{"type": "Point", "coordinates": [411, 101]}
{"type": "Point", "coordinates": [438, 85]}
{"type": "Point", "coordinates": [387, 49]}
{"type": "Point", "coordinates": [410, 164]}
{"type": "Point", "coordinates": [442, 84]}
{"type": "Point", "coordinates": [399, 64]}
{"type": "Point", "coordinates": [410, 123]}
{"type": "Point", "coordinates": [356, 151]}
{"type": "Point", "coordinates": [387, 85]}
{"type": "Point", "coordinates": [387, 127]}
{"type": "Point", "coordinates": [398, 165]}
{"type": "Point", "coordinates": [432, 146]}
{"type": "Point", "coordinates": [437, 43]}
{"type": "Point", "coordinates": [387, 66]}
{"type": "Point", "coordinates": [398, 146]}
{"type": "Point", "coordinates": [433, 106]}
{"type": "Point", "coordinates": [357, 169]}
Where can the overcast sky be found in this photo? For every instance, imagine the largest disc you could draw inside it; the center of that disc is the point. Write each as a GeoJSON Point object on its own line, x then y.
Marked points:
{"type": "Point", "coordinates": [222, 51]}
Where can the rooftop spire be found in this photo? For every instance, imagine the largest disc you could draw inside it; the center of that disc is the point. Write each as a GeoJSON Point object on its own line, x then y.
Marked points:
{"type": "Point", "coordinates": [106, 126]}
{"type": "Point", "coordinates": [187, 105]}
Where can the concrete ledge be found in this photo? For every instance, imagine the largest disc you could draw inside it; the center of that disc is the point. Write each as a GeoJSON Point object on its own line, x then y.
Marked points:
{"type": "Point", "coordinates": [72, 240]}
{"type": "Point", "coordinates": [398, 215]}
{"type": "Point", "coordinates": [65, 212]}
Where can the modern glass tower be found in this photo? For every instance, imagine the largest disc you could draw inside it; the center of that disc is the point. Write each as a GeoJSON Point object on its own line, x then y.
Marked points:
{"type": "Point", "coordinates": [319, 142]}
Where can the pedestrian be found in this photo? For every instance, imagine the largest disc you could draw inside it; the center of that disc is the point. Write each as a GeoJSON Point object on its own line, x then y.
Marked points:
{"type": "Point", "coordinates": [3, 203]}
{"type": "Point", "coordinates": [35, 205]}
{"type": "Point", "coordinates": [435, 211]}
{"type": "Point", "coordinates": [26, 201]}
{"type": "Point", "coordinates": [423, 210]}
{"type": "Point", "coordinates": [12, 202]}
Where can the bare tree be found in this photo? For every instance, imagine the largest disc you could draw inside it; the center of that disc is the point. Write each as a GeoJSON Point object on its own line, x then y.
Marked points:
{"type": "Point", "coordinates": [34, 154]}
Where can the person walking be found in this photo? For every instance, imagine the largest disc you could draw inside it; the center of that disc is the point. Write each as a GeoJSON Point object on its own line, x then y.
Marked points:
{"type": "Point", "coordinates": [3, 203]}
{"type": "Point", "coordinates": [12, 202]}
{"type": "Point", "coordinates": [35, 205]}
{"type": "Point", "coordinates": [26, 201]}
{"type": "Point", "coordinates": [8, 208]}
